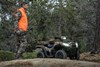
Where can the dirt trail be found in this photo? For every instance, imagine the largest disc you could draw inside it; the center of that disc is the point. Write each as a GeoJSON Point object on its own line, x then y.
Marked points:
{"type": "Point", "coordinates": [48, 63]}
{"type": "Point", "coordinates": [51, 62]}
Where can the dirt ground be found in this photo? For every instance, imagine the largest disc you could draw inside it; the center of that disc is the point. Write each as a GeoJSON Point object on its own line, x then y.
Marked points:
{"type": "Point", "coordinates": [86, 60]}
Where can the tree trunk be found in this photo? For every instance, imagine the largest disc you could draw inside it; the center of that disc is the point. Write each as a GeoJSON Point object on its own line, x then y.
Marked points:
{"type": "Point", "coordinates": [97, 39]}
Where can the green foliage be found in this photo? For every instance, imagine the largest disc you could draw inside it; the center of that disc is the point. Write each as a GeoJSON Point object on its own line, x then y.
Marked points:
{"type": "Point", "coordinates": [29, 55]}
{"type": "Point", "coordinates": [82, 46]}
{"type": "Point", "coordinates": [6, 55]}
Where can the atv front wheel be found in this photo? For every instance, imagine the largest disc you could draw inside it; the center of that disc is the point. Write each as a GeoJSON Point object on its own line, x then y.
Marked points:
{"type": "Point", "coordinates": [77, 56]}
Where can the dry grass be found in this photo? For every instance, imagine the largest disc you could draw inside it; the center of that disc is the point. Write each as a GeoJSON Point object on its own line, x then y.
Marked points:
{"type": "Point", "coordinates": [90, 57]}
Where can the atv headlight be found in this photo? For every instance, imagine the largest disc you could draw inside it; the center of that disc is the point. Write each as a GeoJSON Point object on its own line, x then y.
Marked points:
{"type": "Point", "coordinates": [76, 44]}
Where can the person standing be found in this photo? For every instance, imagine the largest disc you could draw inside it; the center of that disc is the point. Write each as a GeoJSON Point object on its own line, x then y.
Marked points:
{"type": "Point", "coordinates": [22, 26]}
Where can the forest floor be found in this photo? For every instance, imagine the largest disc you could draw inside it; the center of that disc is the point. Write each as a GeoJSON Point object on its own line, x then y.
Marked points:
{"type": "Point", "coordinates": [86, 60]}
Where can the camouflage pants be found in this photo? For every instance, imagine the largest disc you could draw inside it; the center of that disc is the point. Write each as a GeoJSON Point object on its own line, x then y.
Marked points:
{"type": "Point", "coordinates": [21, 44]}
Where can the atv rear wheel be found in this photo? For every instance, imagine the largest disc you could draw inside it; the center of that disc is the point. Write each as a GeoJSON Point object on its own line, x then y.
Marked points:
{"type": "Point", "coordinates": [40, 55]}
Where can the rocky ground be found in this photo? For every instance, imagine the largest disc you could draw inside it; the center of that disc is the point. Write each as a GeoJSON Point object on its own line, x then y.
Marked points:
{"type": "Point", "coordinates": [86, 60]}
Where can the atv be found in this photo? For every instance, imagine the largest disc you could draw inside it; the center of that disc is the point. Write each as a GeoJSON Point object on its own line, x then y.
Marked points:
{"type": "Point", "coordinates": [58, 49]}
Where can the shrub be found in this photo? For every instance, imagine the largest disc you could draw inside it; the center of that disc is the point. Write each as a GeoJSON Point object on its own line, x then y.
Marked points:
{"type": "Point", "coordinates": [29, 55]}
{"type": "Point", "coordinates": [6, 55]}
{"type": "Point", "coordinates": [82, 46]}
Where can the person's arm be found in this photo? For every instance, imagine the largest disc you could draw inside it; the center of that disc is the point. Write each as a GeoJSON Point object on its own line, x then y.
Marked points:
{"type": "Point", "coordinates": [17, 15]}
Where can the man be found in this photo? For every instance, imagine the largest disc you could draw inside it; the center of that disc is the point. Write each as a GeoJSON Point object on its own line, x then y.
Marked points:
{"type": "Point", "coordinates": [22, 25]}
{"type": "Point", "coordinates": [51, 43]}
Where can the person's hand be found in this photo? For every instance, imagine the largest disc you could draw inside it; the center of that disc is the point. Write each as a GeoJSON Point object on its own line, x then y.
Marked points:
{"type": "Point", "coordinates": [19, 31]}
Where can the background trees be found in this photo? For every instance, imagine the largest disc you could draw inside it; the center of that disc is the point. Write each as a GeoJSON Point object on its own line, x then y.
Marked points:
{"type": "Point", "coordinates": [49, 18]}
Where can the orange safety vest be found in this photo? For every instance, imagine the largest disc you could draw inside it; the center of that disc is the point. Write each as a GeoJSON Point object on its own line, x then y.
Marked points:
{"type": "Point", "coordinates": [23, 21]}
